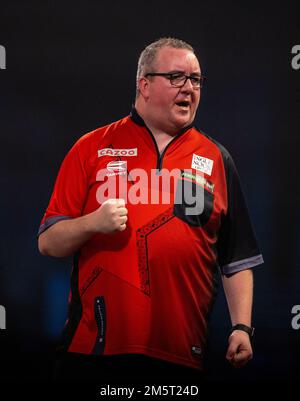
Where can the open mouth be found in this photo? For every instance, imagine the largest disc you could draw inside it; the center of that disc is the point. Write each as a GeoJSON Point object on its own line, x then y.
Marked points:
{"type": "Point", "coordinates": [183, 104]}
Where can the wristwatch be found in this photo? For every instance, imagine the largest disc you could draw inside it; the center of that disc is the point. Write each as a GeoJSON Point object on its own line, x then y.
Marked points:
{"type": "Point", "coordinates": [243, 327]}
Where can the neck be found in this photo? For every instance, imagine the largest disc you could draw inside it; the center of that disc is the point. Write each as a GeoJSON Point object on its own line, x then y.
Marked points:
{"type": "Point", "coordinates": [162, 140]}
{"type": "Point", "coordinates": [161, 137]}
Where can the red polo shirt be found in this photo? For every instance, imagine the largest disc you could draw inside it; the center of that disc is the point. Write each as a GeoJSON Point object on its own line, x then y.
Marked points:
{"type": "Point", "coordinates": [149, 289]}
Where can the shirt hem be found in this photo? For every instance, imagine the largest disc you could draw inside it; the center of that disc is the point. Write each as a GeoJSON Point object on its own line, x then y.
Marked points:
{"type": "Point", "coordinates": [50, 221]}
{"type": "Point", "coordinates": [152, 353]}
{"type": "Point", "coordinates": [242, 264]}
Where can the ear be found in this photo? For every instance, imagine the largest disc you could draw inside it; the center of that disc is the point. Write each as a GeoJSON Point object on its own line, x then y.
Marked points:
{"type": "Point", "coordinates": [144, 87]}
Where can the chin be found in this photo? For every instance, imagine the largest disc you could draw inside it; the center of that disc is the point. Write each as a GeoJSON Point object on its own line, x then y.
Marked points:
{"type": "Point", "coordinates": [183, 122]}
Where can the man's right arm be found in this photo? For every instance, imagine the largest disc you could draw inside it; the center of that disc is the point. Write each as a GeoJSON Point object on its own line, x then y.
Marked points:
{"type": "Point", "coordinates": [67, 236]}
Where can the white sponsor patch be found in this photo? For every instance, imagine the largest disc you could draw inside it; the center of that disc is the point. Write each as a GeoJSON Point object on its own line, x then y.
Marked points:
{"type": "Point", "coordinates": [117, 152]}
{"type": "Point", "coordinates": [202, 164]}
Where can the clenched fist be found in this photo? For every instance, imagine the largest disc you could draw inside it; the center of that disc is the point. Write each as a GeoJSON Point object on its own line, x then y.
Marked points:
{"type": "Point", "coordinates": [109, 217]}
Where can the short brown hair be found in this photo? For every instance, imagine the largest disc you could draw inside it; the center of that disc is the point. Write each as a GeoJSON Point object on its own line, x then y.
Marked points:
{"type": "Point", "coordinates": [148, 56]}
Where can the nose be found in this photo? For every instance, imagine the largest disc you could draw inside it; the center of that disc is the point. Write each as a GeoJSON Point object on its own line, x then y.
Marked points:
{"type": "Point", "coordinates": [187, 87]}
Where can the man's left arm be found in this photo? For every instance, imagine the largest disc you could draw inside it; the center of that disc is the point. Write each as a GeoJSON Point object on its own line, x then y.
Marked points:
{"type": "Point", "coordinates": [238, 288]}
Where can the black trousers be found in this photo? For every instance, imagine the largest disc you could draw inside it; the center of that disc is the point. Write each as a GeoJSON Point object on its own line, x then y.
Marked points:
{"type": "Point", "coordinates": [127, 369]}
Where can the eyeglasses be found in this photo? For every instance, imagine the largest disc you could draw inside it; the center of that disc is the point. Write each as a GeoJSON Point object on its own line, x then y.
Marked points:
{"type": "Point", "coordinates": [178, 79]}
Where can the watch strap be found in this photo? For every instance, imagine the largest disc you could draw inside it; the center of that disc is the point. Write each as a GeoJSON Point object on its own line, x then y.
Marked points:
{"type": "Point", "coordinates": [243, 327]}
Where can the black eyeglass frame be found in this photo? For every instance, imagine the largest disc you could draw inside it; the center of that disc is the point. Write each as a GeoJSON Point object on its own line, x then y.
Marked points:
{"type": "Point", "coordinates": [170, 76]}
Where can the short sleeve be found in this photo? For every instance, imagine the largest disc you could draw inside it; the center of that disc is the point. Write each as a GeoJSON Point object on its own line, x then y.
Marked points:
{"type": "Point", "coordinates": [69, 193]}
{"type": "Point", "coordinates": [237, 245]}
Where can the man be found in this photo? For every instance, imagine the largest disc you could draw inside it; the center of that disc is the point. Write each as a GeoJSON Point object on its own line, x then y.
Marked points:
{"type": "Point", "coordinates": [144, 269]}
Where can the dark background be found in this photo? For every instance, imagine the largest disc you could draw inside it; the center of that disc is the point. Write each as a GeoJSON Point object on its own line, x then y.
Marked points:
{"type": "Point", "coordinates": [71, 68]}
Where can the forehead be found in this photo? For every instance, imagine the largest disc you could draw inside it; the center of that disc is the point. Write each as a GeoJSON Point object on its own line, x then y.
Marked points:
{"type": "Point", "coordinates": [169, 58]}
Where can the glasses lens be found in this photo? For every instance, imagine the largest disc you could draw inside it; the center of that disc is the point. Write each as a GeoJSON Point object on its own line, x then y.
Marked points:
{"type": "Point", "coordinates": [177, 79]}
{"type": "Point", "coordinates": [201, 81]}
{"type": "Point", "coordinates": [196, 82]}
{"type": "Point", "coordinates": [180, 80]}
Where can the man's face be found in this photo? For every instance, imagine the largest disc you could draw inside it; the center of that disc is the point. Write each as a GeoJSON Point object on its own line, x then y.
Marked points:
{"type": "Point", "coordinates": [171, 108]}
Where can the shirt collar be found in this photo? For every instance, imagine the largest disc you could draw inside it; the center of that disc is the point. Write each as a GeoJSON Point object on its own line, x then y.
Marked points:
{"type": "Point", "coordinates": [134, 115]}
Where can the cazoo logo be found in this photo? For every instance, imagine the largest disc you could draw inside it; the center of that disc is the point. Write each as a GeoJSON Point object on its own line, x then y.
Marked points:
{"type": "Point", "coordinates": [117, 152]}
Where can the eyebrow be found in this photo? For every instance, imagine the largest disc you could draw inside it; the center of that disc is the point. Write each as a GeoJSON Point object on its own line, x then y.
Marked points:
{"type": "Point", "coordinates": [198, 73]}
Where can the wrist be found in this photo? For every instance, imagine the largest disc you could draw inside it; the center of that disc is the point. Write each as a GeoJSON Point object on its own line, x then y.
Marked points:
{"type": "Point", "coordinates": [88, 224]}
{"type": "Point", "coordinates": [243, 327]}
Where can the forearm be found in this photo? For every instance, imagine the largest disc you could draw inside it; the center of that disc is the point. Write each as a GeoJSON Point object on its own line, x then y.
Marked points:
{"type": "Point", "coordinates": [68, 236]}
{"type": "Point", "coordinates": [238, 289]}
{"type": "Point", "coordinates": [65, 237]}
